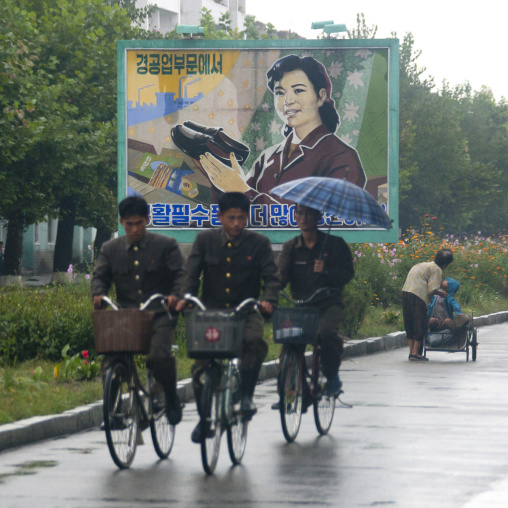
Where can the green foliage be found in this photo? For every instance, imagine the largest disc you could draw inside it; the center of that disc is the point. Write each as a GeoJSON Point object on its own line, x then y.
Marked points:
{"type": "Point", "coordinates": [30, 389]}
{"type": "Point", "coordinates": [357, 297]}
{"type": "Point", "coordinates": [39, 323]}
{"type": "Point", "coordinates": [390, 317]}
{"type": "Point", "coordinates": [78, 366]}
{"type": "Point", "coordinates": [453, 151]}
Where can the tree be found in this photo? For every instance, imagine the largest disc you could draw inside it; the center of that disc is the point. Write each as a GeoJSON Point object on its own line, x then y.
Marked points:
{"type": "Point", "coordinates": [29, 98]}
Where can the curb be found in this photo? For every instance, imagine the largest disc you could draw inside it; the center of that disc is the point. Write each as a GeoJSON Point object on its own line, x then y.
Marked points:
{"type": "Point", "coordinates": [86, 417]}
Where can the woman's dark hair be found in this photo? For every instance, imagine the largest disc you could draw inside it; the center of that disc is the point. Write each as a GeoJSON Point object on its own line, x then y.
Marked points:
{"type": "Point", "coordinates": [317, 75]}
{"type": "Point", "coordinates": [233, 200]}
{"type": "Point", "coordinates": [443, 258]}
{"type": "Point", "coordinates": [133, 205]}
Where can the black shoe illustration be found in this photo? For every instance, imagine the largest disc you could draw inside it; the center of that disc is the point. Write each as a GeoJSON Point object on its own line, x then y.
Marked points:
{"type": "Point", "coordinates": [227, 143]}
{"type": "Point", "coordinates": [195, 144]}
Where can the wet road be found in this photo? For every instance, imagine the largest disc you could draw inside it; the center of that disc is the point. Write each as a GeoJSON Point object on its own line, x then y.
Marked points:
{"type": "Point", "coordinates": [419, 435]}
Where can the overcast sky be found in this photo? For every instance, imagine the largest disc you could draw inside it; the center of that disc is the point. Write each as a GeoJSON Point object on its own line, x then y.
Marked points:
{"type": "Point", "coordinates": [460, 41]}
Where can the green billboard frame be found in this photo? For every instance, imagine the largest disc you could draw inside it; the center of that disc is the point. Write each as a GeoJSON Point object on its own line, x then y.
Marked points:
{"type": "Point", "coordinates": [276, 236]}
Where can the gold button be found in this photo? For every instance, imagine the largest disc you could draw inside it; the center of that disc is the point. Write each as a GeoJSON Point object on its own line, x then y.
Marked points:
{"type": "Point", "coordinates": [227, 305]}
{"type": "Point", "coordinates": [139, 291]}
{"type": "Point", "coordinates": [137, 277]}
{"type": "Point", "coordinates": [227, 290]}
{"type": "Point", "coordinates": [230, 244]}
{"type": "Point", "coordinates": [136, 248]}
{"type": "Point", "coordinates": [136, 263]}
{"type": "Point", "coordinates": [228, 275]}
{"type": "Point", "coordinates": [228, 260]}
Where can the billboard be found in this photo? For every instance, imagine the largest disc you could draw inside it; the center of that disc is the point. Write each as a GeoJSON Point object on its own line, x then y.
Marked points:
{"type": "Point", "coordinates": [199, 118]}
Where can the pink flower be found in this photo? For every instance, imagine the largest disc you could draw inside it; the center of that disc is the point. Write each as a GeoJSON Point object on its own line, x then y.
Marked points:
{"type": "Point", "coordinates": [87, 276]}
{"type": "Point", "coordinates": [426, 215]}
{"type": "Point", "coordinates": [69, 270]}
{"type": "Point", "coordinates": [85, 354]}
{"type": "Point", "coordinates": [434, 218]}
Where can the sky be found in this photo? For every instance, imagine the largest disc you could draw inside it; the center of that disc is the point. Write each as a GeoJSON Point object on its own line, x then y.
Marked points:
{"type": "Point", "coordinates": [460, 41]}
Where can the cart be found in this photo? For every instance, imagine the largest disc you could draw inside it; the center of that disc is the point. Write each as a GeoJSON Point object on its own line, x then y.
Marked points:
{"type": "Point", "coordinates": [453, 340]}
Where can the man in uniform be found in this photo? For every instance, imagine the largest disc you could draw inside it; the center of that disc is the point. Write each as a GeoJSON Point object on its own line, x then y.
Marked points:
{"type": "Point", "coordinates": [234, 262]}
{"type": "Point", "coordinates": [311, 261]}
{"type": "Point", "coordinates": [140, 264]}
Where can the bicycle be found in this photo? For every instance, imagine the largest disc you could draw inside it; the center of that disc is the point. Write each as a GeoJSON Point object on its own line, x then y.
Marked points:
{"type": "Point", "coordinates": [294, 328]}
{"type": "Point", "coordinates": [217, 336]}
{"type": "Point", "coordinates": [129, 406]}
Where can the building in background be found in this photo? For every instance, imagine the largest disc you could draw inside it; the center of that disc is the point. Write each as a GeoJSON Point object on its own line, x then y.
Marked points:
{"type": "Point", "coordinates": [169, 13]}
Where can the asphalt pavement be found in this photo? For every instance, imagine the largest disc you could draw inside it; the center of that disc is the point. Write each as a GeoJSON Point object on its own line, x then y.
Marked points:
{"type": "Point", "coordinates": [85, 417]}
{"type": "Point", "coordinates": [415, 435]}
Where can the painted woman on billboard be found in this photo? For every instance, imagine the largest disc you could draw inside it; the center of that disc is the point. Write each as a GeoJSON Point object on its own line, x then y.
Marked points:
{"type": "Point", "coordinates": [302, 93]}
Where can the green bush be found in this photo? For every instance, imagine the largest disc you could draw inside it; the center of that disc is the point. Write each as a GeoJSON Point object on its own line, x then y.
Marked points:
{"type": "Point", "coordinates": [39, 322]}
{"type": "Point", "coordinates": [357, 297]}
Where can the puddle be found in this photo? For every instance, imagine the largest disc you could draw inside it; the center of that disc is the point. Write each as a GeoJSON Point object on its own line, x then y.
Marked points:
{"type": "Point", "coordinates": [84, 451]}
{"type": "Point", "coordinates": [28, 468]}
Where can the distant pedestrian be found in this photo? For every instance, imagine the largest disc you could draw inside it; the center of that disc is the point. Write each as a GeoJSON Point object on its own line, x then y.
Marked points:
{"type": "Point", "coordinates": [422, 283]}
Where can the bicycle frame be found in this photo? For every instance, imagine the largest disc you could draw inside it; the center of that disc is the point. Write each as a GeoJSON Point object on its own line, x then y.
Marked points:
{"type": "Point", "coordinates": [218, 412]}
{"type": "Point", "coordinates": [127, 415]}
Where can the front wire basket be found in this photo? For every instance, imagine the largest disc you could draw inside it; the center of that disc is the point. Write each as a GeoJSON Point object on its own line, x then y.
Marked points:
{"type": "Point", "coordinates": [122, 331]}
{"type": "Point", "coordinates": [214, 333]}
{"type": "Point", "coordinates": [295, 325]}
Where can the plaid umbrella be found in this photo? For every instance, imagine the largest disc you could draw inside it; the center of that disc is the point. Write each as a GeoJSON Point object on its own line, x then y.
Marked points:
{"type": "Point", "coordinates": [337, 197]}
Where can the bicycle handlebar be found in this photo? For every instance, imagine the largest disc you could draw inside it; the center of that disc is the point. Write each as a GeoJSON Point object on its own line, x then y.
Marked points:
{"type": "Point", "coordinates": [143, 306]}
{"type": "Point", "coordinates": [316, 293]}
{"type": "Point", "coordinates": [248, 301]}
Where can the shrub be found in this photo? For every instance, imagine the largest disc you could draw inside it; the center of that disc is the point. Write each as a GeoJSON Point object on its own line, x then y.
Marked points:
{"type": "Point", "coordinates": [357, 297]}
{"type": "Point", "coordinates": [39, 322]}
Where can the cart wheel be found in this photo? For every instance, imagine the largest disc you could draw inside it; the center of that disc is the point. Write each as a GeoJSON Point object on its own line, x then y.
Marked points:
{"type": "Point", "coordinates": [474, 345]}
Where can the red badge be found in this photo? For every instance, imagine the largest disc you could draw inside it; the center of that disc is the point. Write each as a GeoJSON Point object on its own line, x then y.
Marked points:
{"type": "Point", "coordinates": [212, 334]}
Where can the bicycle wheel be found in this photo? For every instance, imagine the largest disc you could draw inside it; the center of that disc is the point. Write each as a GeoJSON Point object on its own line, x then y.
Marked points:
{"type": "Point", "coordinates": [291, 395]}
{"type": "Point", "coordinates": [237, 429]}
{"type": "Point", "coordinates": [324, 406]}
{"type": "Point", "coordinates": [163, 433]}
{"type": "Point", "coordinates": [210, 423]}
{"type": "Point", "coordinates": [121, 416]}
{"type": "Point", "coordinates": [474, 345]}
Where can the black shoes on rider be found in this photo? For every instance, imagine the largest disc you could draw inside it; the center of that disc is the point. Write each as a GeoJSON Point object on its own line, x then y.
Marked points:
{"type": "Point", "coordinates": [248, 408]}
{"type": "Point", "coordinates": [307, 401]}
{"type": "Point", "coordinates": [174, 410]}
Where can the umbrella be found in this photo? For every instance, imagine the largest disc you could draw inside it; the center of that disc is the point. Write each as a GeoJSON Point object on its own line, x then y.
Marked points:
{"type": "Point", "coordinates": [335, 196]}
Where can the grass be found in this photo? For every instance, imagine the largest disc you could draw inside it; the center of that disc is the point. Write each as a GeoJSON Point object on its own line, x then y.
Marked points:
{"type": "Point", "coordinates": [29, 388]}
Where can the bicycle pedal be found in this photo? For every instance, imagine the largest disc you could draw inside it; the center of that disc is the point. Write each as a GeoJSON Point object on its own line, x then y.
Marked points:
{"type": "Point", "coordinates": [118, 422]}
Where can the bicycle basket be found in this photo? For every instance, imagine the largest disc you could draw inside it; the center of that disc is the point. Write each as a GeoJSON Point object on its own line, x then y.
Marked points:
{"type": "Point", "coordinates": [295, 325]}
{"type": "Point", "coordinates": [122, 331]}
{"type": "Point", "coordinates": [214, 333]}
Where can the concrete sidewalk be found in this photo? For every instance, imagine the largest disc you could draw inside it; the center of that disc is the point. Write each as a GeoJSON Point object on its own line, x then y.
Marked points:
{"type": "Point", "coordinates": [84, 417]}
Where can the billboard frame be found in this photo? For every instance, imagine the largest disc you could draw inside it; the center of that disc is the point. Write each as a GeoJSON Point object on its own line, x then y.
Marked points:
{"type": "Point", "coordinates": [275, 235]}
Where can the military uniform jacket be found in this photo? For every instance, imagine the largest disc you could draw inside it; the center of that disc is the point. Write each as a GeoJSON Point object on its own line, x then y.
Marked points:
{"type": "Point", "coordinates": [296, 266]}
{"type": "Point", "coordinates": [233, 270]}
{"type": "Point", "coordinates": [154, 265]}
